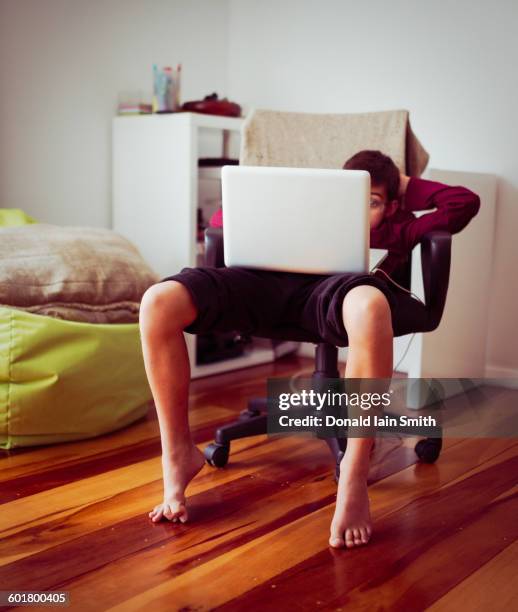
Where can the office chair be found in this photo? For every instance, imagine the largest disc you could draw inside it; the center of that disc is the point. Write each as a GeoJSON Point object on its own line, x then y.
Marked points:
{"type": "Point", "coordinates": [435, 261]}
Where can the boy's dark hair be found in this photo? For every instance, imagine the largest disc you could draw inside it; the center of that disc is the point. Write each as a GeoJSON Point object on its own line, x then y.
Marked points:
{"type": "Point", "coordinates": [382, 169]}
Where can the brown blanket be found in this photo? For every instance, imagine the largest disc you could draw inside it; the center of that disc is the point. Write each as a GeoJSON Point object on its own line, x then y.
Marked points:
{"type": "Point", "coordinates": [86, 274]}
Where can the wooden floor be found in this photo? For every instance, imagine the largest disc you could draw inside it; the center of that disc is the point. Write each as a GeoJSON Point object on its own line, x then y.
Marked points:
{"type": "Point", "coordinates": [74, 518]}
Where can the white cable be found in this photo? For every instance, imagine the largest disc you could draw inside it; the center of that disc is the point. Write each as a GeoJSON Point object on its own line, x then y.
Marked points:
{"type": "Point", "coordinates": [397, 285]}
{"type": "Point", "coordinates": [296, 376]}
{"type": "Point", "coordinates": [404, 354]}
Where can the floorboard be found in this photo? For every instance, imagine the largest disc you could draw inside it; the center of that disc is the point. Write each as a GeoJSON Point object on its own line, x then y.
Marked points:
{"type": "Point", "coordinates": [74, 517]}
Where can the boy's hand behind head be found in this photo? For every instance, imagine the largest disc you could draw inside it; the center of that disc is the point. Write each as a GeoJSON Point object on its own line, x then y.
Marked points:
{"type": "Point", "coordinates": [403, 184]}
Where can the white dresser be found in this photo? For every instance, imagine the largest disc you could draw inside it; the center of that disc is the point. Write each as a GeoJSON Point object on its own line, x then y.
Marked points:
{"type": "Point", "coordinates": [157, 190]}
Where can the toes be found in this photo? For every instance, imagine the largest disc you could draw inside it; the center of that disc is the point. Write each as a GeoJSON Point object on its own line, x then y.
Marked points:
{"type": "Point", "coordinates": [183, 516]}
{"type": "Point", "coordinates": [158, 515]}
{"type": "Point", "coordinates": [336, 537]}
{"type": "Point", "coordinates": [353, 537]}
{"type": "Point", "coordinates": [176, 512]}
{"type": "Point", "coordinates": [349, 538]}
{"type": "Point", "coordinates": [357, 537]}
{"type": "Point", "coordinates": [336, 542]}
{"type": "Point", "coordinates": [168, 512]}
{"type": "Point", "coordinates": [180, 514]}
{"type": "Point", "coordinates": [364, 535]}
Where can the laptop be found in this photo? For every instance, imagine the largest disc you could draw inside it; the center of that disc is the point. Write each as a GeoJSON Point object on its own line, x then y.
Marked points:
{"type": "Point", "coordinates": [314, 221]}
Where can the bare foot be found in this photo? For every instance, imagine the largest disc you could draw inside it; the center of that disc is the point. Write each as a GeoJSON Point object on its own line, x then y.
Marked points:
{"type": "Point", "coordinates": [179, 468]}
{"type": "Point", "coordinates": [351, 525]}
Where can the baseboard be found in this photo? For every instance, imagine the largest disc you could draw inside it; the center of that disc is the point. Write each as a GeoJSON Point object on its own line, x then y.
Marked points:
{"type": "Point", "coordinates": [284, 348]}
{"type": "Point", "coordinates": [501, 377]}
{"type": "Point", "coordinates": [306, 349]}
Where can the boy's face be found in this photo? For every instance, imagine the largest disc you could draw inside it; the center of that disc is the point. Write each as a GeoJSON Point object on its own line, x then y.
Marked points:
{"type": "Point", "coordinates": [380, 206]}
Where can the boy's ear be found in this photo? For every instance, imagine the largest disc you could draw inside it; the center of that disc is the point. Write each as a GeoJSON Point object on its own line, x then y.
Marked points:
{"type": "Point", "coordinates": [391, 207]}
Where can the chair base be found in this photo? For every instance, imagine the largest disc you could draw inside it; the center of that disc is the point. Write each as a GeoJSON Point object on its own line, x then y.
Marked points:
{"type": "Point", "coordinates": [253, 422]}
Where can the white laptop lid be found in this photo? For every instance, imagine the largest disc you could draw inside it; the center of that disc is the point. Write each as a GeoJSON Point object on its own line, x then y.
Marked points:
{"type": "Point", "coordinates": [296, 219]}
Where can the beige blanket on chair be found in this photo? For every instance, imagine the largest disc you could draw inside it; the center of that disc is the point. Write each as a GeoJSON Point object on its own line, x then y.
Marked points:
{"type": "Point", "coordinates": [307, 140]}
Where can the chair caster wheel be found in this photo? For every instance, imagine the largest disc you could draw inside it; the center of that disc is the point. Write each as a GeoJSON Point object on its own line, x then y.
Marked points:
{"type": "Point", "coordinates": [217, 454]}
{"type": "Point", "coordinates": [428, 450]}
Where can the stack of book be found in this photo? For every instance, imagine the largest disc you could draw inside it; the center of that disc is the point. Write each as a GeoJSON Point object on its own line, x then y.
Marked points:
{"type": "Point", "coordinates": [133, 109]}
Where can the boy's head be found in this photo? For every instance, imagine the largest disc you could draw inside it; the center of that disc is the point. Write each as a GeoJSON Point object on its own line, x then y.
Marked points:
{"type": "Point", "coordinates": [384, 182]}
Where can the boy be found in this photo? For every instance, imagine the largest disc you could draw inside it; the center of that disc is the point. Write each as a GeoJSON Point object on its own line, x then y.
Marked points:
{"type": "Point", "coordinates": [353, 309]}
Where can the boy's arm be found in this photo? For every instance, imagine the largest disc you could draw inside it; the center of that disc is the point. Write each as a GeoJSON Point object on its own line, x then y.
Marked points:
{"type": "Point", "coordinates": [455, 207]}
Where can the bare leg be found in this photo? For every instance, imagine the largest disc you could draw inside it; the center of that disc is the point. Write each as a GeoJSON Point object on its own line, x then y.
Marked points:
{"type": "Point", "coordinates": [367, 319]}
{"type": "Point", "coordinates": [165, 311]}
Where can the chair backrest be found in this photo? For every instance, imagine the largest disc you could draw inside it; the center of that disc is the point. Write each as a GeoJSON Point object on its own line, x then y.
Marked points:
{"type": "Point", "coordinates": [323, 140]}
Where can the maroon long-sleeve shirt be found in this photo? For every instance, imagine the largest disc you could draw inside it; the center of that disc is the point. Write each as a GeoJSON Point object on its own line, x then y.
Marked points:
{"type": "Point", "coordinates": [401, 231]}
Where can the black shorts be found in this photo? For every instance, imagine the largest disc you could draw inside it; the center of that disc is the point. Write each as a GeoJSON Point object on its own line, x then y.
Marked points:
{"type": "Point", "coordinates": [259, 302]}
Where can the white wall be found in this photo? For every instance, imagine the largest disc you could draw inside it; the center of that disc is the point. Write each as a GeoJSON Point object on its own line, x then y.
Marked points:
{"type": "Point", "coordinates": [63, 64]}
{"type": "Point", "coordinates": [451, 63]}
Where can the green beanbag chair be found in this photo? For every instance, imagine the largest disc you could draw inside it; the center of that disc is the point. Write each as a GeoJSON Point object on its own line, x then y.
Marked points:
{"type": "Point", "coordinates": [12, 217]}
{"type": "Point", "coordinates": [63, 380]}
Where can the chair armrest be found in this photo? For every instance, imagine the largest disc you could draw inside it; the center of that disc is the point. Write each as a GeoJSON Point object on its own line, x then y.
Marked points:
{"type": "Point", "coordinates": [214, 253]}
{"type": "Point", "coordinates": [435, 263]}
